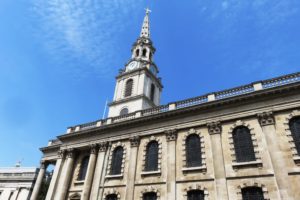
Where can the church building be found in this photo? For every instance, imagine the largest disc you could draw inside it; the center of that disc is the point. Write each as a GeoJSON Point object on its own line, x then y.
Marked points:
{"type": "Point", "coordinates": [241, 143]}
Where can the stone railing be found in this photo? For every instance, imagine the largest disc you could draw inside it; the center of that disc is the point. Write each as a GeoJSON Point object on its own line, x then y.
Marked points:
{"type": "Point", "coordinates": [250, 88]}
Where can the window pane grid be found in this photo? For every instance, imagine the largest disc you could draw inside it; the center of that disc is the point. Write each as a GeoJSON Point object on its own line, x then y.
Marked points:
{"type": "Point", "coordinates": [193, 151]}
{"type": "Point", "coordinates": [116, 163]}
{"type": "Point", "coordinates": [152, 156]}
{"type": "Point", "coordinates": [128, 88]}
{"type": "Point", "coordinates": [295, 130]}
{"type": "Point", "coordinates": [243, 145]}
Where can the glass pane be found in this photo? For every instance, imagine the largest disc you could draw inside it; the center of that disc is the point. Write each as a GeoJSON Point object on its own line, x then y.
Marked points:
{"type": "Point", "coordinates": [195, 195]}
{"type": "Point", "coordinates": [150, 196]}
{"type": "Point", "coordinates": [152, 157]}
{"type": "Point", "coordinates": [193, 151]}
{"type": "Point", "coordinates": [243, 145]}
{"type": "Point", "coordinates": [116, 163]}
{"type": "Point", "coordinates": [83, 168]}
{"type": "Point", "coordinates": [252, 193]}
{"type": "Point", "coordinates": [295, 130]}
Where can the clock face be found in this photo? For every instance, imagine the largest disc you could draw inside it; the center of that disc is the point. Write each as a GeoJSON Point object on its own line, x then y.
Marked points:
{"type": "Point", "coordinates": [132, 65]}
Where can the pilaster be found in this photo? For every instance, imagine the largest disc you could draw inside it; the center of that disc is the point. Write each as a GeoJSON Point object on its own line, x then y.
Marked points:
{"type": "Point", "coordinates": [134, 143]}
{"type": "Point", "coordinates": [215, 131]}
{"type": "Point", "coordinates": [267, 122]}
{"type": "Point", "coordinates": [171, 136]}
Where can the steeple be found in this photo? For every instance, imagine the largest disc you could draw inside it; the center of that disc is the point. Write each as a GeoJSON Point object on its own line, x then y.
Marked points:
{"type": "Point", "coordinates": [145, 32]}
{"type": "Point", "coordinates": [138, 87]}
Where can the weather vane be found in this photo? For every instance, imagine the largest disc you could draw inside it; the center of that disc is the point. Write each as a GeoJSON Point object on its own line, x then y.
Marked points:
{"type": "Point", "coordinates": [148, 10]}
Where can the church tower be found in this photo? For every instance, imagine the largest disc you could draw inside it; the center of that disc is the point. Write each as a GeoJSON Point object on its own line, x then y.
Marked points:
{"type": "Point", "coordinates": [137, 85]}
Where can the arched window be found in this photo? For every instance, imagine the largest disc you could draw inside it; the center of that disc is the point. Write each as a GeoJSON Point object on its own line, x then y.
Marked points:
{"type": "Point", "coordinates": [195, 195]}
{"type": "Point", "coordinates": [252, 193]}
{"type": "Point", "coordinates": [124, 111]}
{"type": "Point", "coordinates": [193, 151]}
{"type": "Point", "coordinates": [128, 88]}
{"type": "Point", "coordinates": [83, 168]}
{"type": "Point", "coordinates": [152, 92]}
{"type": "Point", "coordinates": [149, 196]}
{"type": "Point", "coordinates": [151, 163]}
{"type": "Point", "coordinates": [116, 163]}
{"type": "Point", "coordinates": [111, 197]}
{"type": "Point", "coordinates": [137, 52]}
{"type": "Point", "coordinates": [243, 145]}
{"type": "Point", "coordinates": [295, 130]}
{"type": "Point", "coordinates": [144, 52]}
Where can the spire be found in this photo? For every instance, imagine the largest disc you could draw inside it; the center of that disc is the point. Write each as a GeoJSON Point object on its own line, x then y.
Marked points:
{"type": "Point", "coordinates": [145, 32]}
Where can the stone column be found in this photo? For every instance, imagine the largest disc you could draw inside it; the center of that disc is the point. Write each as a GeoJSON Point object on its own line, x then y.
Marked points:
{"type": "Point", "coordinates": [98, 171]}
{"type": "Point", "coordinates": [39, 181]}
{"type": "Point", "coordinates": [215, 130]}
{"type": "Point", "coordinates": [66, 175]}
{"type": "Point", "coordinates": [55, 176]}
{"type": "Point", "coordinates": [171, 136]}
{"type": "Point", "coordinates": [89, 174]}
{"type": "Point", "coordinates": [134, 143]}
{"type": "Point", "coordinates": [267, 123]}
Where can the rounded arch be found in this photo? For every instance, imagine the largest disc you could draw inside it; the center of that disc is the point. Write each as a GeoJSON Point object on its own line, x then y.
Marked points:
{"type": "Point", "coordinates": [151, 162]}
{"type": "Point", "coordinates": [150, 189]}
{"type": "Point", "coordinates": [250, 184]}
{"type": "Point", "coordinates": [128, 87]}
{"type": "Point", "coordinates": [145, 52]}
{"type": "Point", "coordinates": [111, 194]}
{"type": "Point", "coordinates": [124, 111]}
{"type": "Point", "coordinates": [137, 52]}
{"type": "Point", "coordinates": [152, 139]}
{"type": "Point", "coordinates": [193, 150]}
{"type": "Point", "coordinates": [111, 157]}
{"type": "Point", "coordinates": [196, 188]}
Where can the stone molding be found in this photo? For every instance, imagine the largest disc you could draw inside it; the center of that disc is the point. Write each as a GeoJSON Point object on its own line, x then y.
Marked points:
{"type": "Point", "coordinates": [93, 148]}
{"type": "Point", "coordinates": [171, 135]}
{"type": "Point", "coordinates": [196, 187]}
{"type": "Point", "coordinates": [114, 146]}
{"type": "Point", "coordinates": [103, 146]}
{"type": "Point", "coordinates": [70, 153]}
{"type": "Point", "coordinates": [158, 140]}
{"type": "Point", "coordinates": [75, 196]}
{"type": "Point", "coordinates": [134, 141]}
{"type": "Point", "coordinates": [293, 114]}
{"type": "Point", "coordinates": [60, 154]}
{"type": "Point", "coordinates": [266, 118]}
{"type": "Point", "coordinates": [43, 164]}
{"type": "Point", "coordinates": [150, 189]}
{"type": "Point", "coordinates": [202, 143]}
{"type": "Point", "coordinates": [214, 128]}
{"type": "Point", "coordinates": [252, 183]}
{"type": "Point", "coordinates": [111, 191]}
{"type": "Point", "coordinates": [240, 123]}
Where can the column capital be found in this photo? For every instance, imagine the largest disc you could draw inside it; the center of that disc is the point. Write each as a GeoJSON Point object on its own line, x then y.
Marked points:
{"type": "Point", "coordinates": [60, 154]}
{"type": "Point", "coordinates": [266, 118]}
{"type": "Point", "coordinates": [70, 153]}
{"type": "Point", "coordinates": [171, 135]}
{"type": "Point", "coordinates": [134, 141]}
{"type": "Point", "coordinates": [214, 127]}
{"type": "Point", "coordinates": [103, 146]}
{"type": "Point", "coordinates": [93, 148]}
{"type": "Point", "coordinates": [43, 164]}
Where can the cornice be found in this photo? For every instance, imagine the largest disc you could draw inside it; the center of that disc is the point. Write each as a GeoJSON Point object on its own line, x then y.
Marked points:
{"type": "Point", "coordinates": [209, 105]}
{"type": "Point", "coordinates": [132, 98]}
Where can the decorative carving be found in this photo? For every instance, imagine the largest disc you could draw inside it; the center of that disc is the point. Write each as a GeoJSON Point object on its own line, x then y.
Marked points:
{"type": "Point", "coordinates": [196, 187]}
{"type": "Point", "coordinates": [103, 146]}
{"type": "Point", "coordinates": [266, 118]}
{"type": "Point", "coordinates": [60, 154]}
{"type": "Point", "coordinates": [171, 135]}
{"type": "Point", "coordinates": [150, 189]}
{"type": "Point", "coordinates": [43, 164]}
{"type": "Point", "coordinates": [93, 148]}
{"type": "Point", "coordinates": [252, 183]}
{"type": "Point", "coordinates": [134, 141]}
{"type": "Point", "coordinates": [70, 153]}
{"type": "Point", "coordinates": [214, 128]}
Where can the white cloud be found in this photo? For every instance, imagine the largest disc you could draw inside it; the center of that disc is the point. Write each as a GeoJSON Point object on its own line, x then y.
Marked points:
{"type": "Point", "coordinates": [85, 30]}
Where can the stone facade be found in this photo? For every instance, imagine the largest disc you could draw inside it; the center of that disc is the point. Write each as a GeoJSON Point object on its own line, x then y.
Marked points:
{"type": "Point", "coordinates": [263, 108]}
{"type": "Point", "coordinates": [16, 183]}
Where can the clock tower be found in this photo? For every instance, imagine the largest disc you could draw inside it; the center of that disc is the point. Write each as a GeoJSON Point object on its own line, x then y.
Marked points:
{"type": "Point", "coordinates": [137, 85]}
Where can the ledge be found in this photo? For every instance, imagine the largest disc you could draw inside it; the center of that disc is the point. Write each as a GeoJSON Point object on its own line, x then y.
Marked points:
{"type": "Point", "coordinates": [79, 182]}
{"type": "Point", "coordinates": [296, 159]}
{"type": "Point", "coordinates": [117, 176]}
{"type": "Point", "coordinates": [151, 173]}
{"type": "Point", "coordinates": [257, 163]}
{"type": "Point", "coordinates": [192, 169]}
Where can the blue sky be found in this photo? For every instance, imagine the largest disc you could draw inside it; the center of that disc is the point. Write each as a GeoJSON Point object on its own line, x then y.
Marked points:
{"type": "Point", "coordinates": [59, 58]}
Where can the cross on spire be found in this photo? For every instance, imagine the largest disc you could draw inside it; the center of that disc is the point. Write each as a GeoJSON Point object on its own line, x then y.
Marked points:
{"type": "Point", "coordinates": [145, 32]}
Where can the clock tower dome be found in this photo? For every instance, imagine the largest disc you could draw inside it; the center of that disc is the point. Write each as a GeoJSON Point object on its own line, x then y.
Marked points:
{"type": "Point", "coordinates": [137, 85]}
